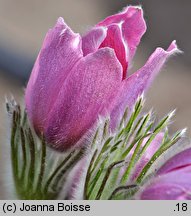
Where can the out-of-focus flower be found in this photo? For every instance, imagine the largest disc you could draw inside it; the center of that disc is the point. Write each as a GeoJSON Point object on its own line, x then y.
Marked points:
{"type": "Point", "coordinates": [77, 79]}
{"type": "Point", "coordinates": [173, 180]}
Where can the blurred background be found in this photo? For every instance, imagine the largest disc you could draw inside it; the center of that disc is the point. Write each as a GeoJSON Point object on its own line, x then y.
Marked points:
{"type": "Point", "coordinates": [24, 23]}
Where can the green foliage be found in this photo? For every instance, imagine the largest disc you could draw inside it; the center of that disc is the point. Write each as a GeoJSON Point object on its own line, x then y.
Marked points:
{"type": "Point", "coordinates": [115, 155]}
{"type": "Point", "coordinates": [40, 173]}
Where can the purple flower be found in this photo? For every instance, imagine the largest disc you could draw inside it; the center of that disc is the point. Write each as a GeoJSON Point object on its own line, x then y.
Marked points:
{"type": "Point", "coordinates": [77, 79]}
{"type": "Point", "coordinates": [173, 180]}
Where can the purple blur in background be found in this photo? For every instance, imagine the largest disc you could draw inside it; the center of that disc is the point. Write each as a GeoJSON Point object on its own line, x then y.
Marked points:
{"type": "Point", "coordinates": [172, 181]}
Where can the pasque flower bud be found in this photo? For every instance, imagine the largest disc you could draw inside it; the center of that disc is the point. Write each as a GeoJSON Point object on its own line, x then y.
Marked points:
{"type": "Point", "coordinates": [76, 78]}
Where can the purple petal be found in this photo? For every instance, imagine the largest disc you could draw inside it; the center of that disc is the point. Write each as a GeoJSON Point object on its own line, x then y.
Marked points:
{"type": "Point", "coordinates": [93, 39]}
{"type": "Point", "coordinates": [61, 50]}
{"type": "Point", "coordinates": [171, 186]}
{"type": "Point", "coordinates": [87, 93]}
{"type": "Point", "coordinates": [125, 14]}
{"type": "Point", "coordinates": [133, 29]}
{"type": "Point", "coordinates": [179, 161]}
{"type": "Point", "coordinates": [137, 83]}
{"type": "Point", "coordinates": [115, 40]}
{"type": "Point", "coordinates": [133, 26]}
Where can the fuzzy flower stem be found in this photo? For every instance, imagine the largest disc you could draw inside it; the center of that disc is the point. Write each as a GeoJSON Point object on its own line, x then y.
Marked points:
{"type": "Point", "coordinates": [88, 176]}
{"type": "Point", "coordinates": [43, 161]}
{"type": "Point", "coordinates": [106, 177]}
{"type": "Point", "coordinates": [32, 160]}
{"type": "Point", "coordinates": [23, 145]}
{"type": "Point", "coordinates": [56, 171]}
{"type": "Point", "coordinates": [121, 188]}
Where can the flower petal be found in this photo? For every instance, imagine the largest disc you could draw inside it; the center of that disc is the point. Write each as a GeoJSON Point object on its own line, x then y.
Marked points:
{"type": "Point", "coordinates": [93, 39]}
{"type": "Point", "coordinates": [133, 29]}
{"type": "Point", "coordinates": [86, 94]}
{"type": "Point", "coordinates": [138, 82]}
{"type": "Point", "coordinates": [179, 161]}
{"type": "Point", "coordinates": [126, 13]}
{"type": "Point", "coordinates": [171, 186]}
{"type": "Point", "coordinates": [115, 40]}
{"type": "Point", "coordinates": [61, 50]}
{"type": "Point", "coordinates": [133, 26]}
